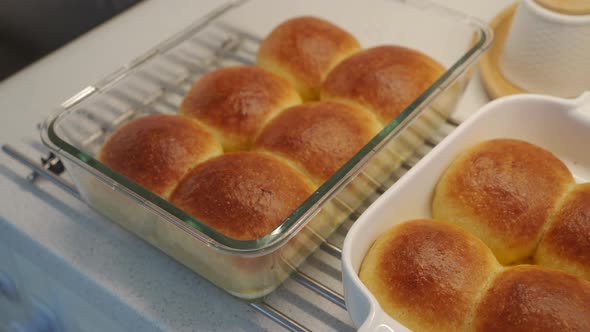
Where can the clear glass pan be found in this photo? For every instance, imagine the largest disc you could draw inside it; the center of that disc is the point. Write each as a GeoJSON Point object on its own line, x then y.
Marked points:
{"type": "Point", "coordinates": [157, 81]}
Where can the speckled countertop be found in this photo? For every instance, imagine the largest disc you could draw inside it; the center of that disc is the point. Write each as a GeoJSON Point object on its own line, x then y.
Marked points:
{"type": "Point", "coordinates": [129, 282]}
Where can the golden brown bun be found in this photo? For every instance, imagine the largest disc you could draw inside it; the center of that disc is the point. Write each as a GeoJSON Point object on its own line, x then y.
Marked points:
{"type": "Point", "coordinates": [503, 191]}
{"type": "Point", "coordinates": [235, 102]}
{"type": "Point", "coordinates": [304, 50]}
{"type": "Point", "coordinates": [384, 80]}
{"type": "Point", "coordinates": [427, 274]}
{"type": "Point", "coordinates": [318, 137]}
{"type": "Point", "coordinates": [157, 150]}
{"type": "Point", "coordinates": [243, 195]}
{"type": "Point", "coordinates": [533, 298]}
{"type": "Point", "coordinates": [566, 244]}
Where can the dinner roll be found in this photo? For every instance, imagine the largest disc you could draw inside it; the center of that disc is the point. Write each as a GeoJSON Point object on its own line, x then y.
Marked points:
{"type": "Point", "coordinates": [427, 274]}
{"type": "Point", "coordinates": [503, 191]}
{"type": "Point", "coordinates": [318, 137]}
{"type": "Point", "coordinates": [303, 50]}
{"type": "Point", "coordinates": [566, 244]}
{"type": "Point", "coordinates": [243, 195]}
{"type": "Point", "coordinates": [235, 102]}
{"type": "Point", "coordinates": [533, 298]}
{"type": "Point", "coordinates": [157, 150]}
{"type": "Point", "coordinates": [384, 80]}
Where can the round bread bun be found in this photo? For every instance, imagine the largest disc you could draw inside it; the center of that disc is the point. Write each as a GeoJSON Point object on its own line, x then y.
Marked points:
{"type": "Point", "coordinates": [503, 191]}
{"type": "Point", "coordinates": [303, 50]}
{"type": "Point", "coordinates": [385, 80]}
{"type": "Point", "coordinates": [318, 137]}
{"type": "Point", "coordinates": [236, 102]}
{"type": "Point", "coordinates": [243, 195]}
{"type": "Point", "coordinates": [534, 298]}
{"type": "Point", "coordinates": [427, 274]}
{"type": "Point", "coordinates": [156, 151]}
{"type": "Point", "coordinates": [566, 244]}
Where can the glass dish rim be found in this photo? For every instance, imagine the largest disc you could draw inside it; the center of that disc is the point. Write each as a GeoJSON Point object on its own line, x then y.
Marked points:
{"type": "Point", "coordinates": [297, 219]}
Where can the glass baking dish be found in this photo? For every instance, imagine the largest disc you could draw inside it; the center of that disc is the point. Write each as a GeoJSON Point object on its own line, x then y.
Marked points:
{"type": "Point", "coordinates": [157, 81]}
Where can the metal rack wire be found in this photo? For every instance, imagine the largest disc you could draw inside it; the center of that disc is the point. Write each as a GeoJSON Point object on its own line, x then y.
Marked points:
{"type": "Point", "coordinates": [320, 274]}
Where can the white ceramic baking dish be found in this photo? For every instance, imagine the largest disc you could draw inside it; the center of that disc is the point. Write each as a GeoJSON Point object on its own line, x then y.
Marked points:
{"type": "Point", "coordinates": [561, 126]}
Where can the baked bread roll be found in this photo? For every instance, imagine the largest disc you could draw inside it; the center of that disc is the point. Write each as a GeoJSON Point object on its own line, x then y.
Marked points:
{"type": "Point", "coordinates": [533, 298]}
{"type": "Point", "coordinates": [318, 137]}
{"type": "Point", "coordinates": [303, 50]}
{"type": "Point", "coordinates": [156, 151]}
{"type": "Point", "coordinates": [503, 191]}
{"type": "Point", "coordinates": [384, 80]}
{"type": "Point", "coordinates": [236, 102]}
{"type": "Point", "coordinates": [427, 274]}
{"type": "Point", "coordinates": [566, 244]}
{"type": "Point", "coordinates": [243, 195]}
